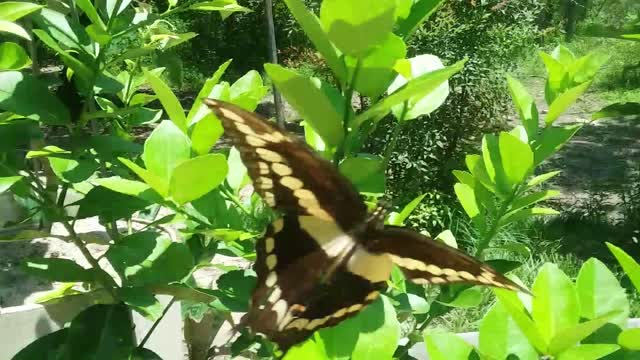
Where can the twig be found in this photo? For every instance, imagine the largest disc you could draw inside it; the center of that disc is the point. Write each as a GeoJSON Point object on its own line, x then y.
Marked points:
{"type": "Point", "coordinates": [155, 324]}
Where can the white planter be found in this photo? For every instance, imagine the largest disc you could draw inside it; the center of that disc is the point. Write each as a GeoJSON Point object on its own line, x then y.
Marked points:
{"type": "Point", "coordinates": [20, 325]}
{"type": "Point", "coordinates": [9, 209]}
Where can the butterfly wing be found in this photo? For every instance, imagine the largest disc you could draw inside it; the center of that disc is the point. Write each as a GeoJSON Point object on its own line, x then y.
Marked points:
{"type": "Point", "coordinates": [294, 297]}
{"type": "Point", "coordinates": [427, 261]}
{"type": "Point", "coordinates": [287, 174]}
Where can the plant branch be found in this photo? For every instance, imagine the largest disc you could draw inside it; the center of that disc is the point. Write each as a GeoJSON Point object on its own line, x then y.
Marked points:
{"type": "Point", "coordinates": [235, 200]}
{"type": "Point", "coordinates": [348, 95]}
{"type": "Point", "coordinates": [388, 151]}
{"type": "Point", "coordinates": [106, 281]}
{"type": "Point", "coordinates": [495, 226]}
{"type": "Point", "coordinates": [155, 324]}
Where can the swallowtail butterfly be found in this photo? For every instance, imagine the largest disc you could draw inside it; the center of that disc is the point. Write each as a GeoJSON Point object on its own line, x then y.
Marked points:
{"type": "Point", "coordinates": [327, 257]}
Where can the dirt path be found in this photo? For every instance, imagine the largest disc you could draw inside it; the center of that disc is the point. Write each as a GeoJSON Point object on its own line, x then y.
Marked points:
{"type": "Point", "coordinates": [601, 161]}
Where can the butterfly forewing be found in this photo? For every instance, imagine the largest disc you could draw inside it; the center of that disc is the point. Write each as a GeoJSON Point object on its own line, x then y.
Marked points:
{"type": "Point", "coordinates": [294, 297]}
{"type": "Point", "coordinates": [427, 261]}
{"type": "Point", "coordinates": [286, 173]}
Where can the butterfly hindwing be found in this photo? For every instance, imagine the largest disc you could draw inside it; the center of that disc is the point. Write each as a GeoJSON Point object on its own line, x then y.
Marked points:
{"type": "Point", "coordinates": [427, 261]}
{"type": "Point", "coordinates": [293, 298]}
{"type": "Point", "coordinates": [287, 174]}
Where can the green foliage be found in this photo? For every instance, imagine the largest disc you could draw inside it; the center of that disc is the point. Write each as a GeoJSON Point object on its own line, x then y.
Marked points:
{"type": "Point", "coordinates": [558, 320]}
{"type": "Point", "coordinates": [495, 190]}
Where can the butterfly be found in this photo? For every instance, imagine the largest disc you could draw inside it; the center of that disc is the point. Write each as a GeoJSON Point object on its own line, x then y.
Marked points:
{"type": "Point", "coordinates": [327, 257]}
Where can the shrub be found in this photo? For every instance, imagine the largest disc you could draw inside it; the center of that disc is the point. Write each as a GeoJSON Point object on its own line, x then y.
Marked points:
{"type": "Point", "coordinates": [492, 35]}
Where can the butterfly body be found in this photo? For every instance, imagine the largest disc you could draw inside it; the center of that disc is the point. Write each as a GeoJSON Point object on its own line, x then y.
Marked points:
{"type": "Point", "coordinates": [327, 257]}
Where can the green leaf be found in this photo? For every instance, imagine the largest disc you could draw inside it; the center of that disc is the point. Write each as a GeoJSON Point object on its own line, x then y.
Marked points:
{"type": "Point", "coordinates": [110, 7]}
{"type": "Point", "coordinates": [420, 11]}
{"type": "Point", "coordinates": [13, 28]}
{"type": "Point", "coordinates": [630, 339]}
{"type": "Point", "coordinates": [525, 105]}
{"type": "Point", "coordinates": [144, 354]}
{"type": "Point", "coordinates": [446, 346]}
{"type": "Point", "coordinates": [521, 317]}
{"type": "Point", "coordinates": [307, 350]}
{"type": "Point", "coordinates": [563, 55]}
{"type": "Point", "coordinates": [564, 101]}
{"type": "Point", "coordinates": [198, 110]}
{"type": "Point", "coordinates": [555, 305]}
{"type": "Point", "coordinates": [161, 186]}
{"type": "Point", "coordinates": [313, 29]}
{"type": "Point", "coordinates": [629, 265]}
{"type": "Point", "coordinates": [101, 329]}
{"type": "Point", "coordinates": [618, 110]}
{"type": "Point", "coordinates": [67, 31]}
{"type": "Point", "coordinates": [187, 182]}
{"type": "Point", "coordinates": [532, 198]}
{"type": "Point", "coordinates": [108, 204]}
{"type": "Point", "coordinates": [167, 147]}
{"type": "Point", "coordinates": [491, 154]}
{"type": "Point", "coordinates": [365, 171]}
{"type": "Point", "coordinates": [205, 133]}
{"type": "Point", "coordinates": [379, 331]}
{"type": "Point", "coordinates": [98, 34]}
{"type": "Point", "coordinates": [467, 199]}
{"type": "Point", "coordinates": [234, 290]}
{"type": "Point", "coordinates": [54, 269]}
{"type": "Point", "coordinates": [353, 30]}
{"type": "Point", "coordinates": [49, 151]}
{"type": "Point", "coordinates": [51, 344]}
{"type": "Point", "coordinates": [30, 97]}
{"type": "Point", "coordinates": [419, 86]}
{"type": "Point", "coordinates": [25, 235]}
{"type": "Point", "coordinates": [476, 166]}
{"type": "Point", "coordinates": [557, 77]}
{"type": "Point", "coordinates": [400, 218]}
{"type": "Point", "coordinates": [376, 68]}
{"type": "Point", "coordinates": [7, 182]}
{"type": "Point", "coordinates": [237, 171]}
{"type": "Point", "coordinates": [142, 301]}
{"type": "Point", "coordinates": [501, 336]}
{"type": "Point", "coordinates": [552, 139]}
{"type": "Point", "coordinates": [128, 187]}
{"type": "Point", "coordinates": [84, 75]}
{"type": "Point", "coordinates": [600, 293]}
{"type": "Point", "coordinates": [517, 158]}
{"type": "Point", "coordinates": [145, 258]}
{"type": "Point", "coordinates": [448, 238]}
{"type": "Point", "coordinates": [526, 213]}
{"type": "Point", "coordinates": [224, 6]}
{"type": "Point", "coordinates": [403, 8]}
{"type": "Point", "coordinates": [13, 57]}
{"type": "Point", "coordinates": [468, 298]}
{"type": "Point", "coordinates": [567, 338]}
{"type": "Point", "coordinates": [588, 352]}
{"type": "Point", "coordinates": [424, 103]}
{"type": "Point", "coordinates": [310, 101]}
{"type": "Point", "coordinates": [168, 100]}
{"type": "Point", "coordinates": [542, 178]}
{"type": "Point", "coordinates": [585, 68]}
{"type": "Point", "coordinates": [71, 170]}
{"type": "Point", "coordinates": [247, 91]}
{"type": "Point", "coordinates": [14, 10]}
{"type": "Point", "coordinates": [91, 12]}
